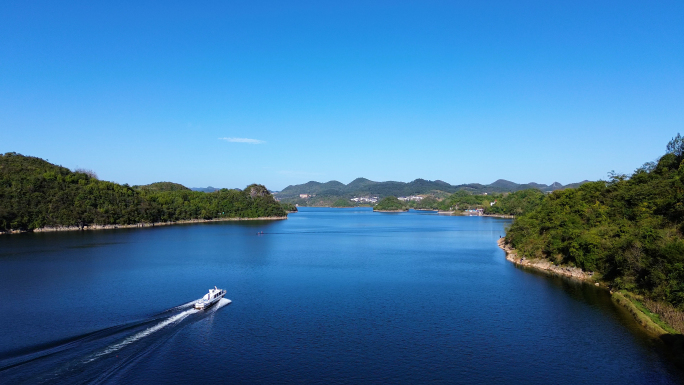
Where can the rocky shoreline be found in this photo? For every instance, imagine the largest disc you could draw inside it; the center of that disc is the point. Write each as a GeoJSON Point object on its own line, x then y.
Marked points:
{"type": "Point", "coordinates": [138, 225]}
{"type": "Point", "coordinates": [545, 265]}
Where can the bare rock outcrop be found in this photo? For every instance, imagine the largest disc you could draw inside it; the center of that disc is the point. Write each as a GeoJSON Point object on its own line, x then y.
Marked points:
{"type": "Point", "coordinates": [257, 190]}
{"type": "Point", "coordinates": [545, 265]}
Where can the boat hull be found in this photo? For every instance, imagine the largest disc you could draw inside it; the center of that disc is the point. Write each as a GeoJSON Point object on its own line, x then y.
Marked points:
{"type": "Point", "coordinates": [207, 303]}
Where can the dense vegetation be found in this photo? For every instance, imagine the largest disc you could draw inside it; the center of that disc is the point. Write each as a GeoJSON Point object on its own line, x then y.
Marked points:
{"type": "Point", "coordinates": [463, 200]}
{"type": "Point", "coordinates": [35, 194]}
{"type": "Point", "coordinates": [427, 203]}
{"type": "Point", "coordinates": [628, 229]}
{"type": "Point", "coordinates": [289, 207]}
{"type": "Point", "coordinates": [390, 204]}
{"type": "Point", "coordinates": [517, 203]}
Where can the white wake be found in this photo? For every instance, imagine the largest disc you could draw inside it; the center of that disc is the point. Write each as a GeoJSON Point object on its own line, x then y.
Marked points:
{"type": "Point", "coordinates": [173, 319]}
{"type": "Point", "coordinates": [176, 318]}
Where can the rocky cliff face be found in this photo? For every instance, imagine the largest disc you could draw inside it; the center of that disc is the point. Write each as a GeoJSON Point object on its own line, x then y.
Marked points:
{"type": "Point", "coordinates": [257, 190]}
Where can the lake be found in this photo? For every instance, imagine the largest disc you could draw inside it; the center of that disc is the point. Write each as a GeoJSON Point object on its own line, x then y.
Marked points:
{"type": "Point", "coordinates": [327, 296]}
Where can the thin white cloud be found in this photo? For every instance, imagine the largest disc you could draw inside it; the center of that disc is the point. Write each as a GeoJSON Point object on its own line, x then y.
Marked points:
{"type": "Point", "coordinates": [243, 140]}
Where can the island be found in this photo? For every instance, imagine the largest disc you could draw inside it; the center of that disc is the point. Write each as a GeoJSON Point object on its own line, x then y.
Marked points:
{"type": "Point", "coordinates": [390, 205]}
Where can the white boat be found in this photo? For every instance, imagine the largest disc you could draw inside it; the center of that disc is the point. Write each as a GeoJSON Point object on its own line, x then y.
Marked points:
{"type": "Point", "coordinates": [210, 298]}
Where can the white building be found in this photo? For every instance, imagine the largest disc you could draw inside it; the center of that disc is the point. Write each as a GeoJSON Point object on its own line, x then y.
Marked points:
{"type": "Point", "coordinates": [365, 199]}
{"type": "Point", "coordinates": [411, 198]}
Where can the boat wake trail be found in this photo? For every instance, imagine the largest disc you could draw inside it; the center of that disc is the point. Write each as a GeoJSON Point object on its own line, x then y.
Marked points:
{"type": "Point", "coordinates": [100, 355]}
{"type": "Point", "coordinates": [142, 334]}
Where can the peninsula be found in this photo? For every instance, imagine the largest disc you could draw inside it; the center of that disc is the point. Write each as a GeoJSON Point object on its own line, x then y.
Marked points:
{"type": "Point", "coordinates": [36, 195]}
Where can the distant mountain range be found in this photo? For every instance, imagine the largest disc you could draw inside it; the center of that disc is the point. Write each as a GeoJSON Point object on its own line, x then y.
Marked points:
{"type": "Point", "coordinates": [205, 189]}
{"type": "Point", "coordinates": [366, 187]}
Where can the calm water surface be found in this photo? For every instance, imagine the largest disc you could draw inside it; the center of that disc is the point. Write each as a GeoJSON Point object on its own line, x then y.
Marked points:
{"type": "Point", "coordinates": [327, 296]}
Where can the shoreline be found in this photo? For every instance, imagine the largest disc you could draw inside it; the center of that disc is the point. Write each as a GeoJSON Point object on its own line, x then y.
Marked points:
{"type": "Point", "coordinates": [94, 227]}
{"type": "Point", "coordinates": [674, 342]}
{"type": "Point", "coordinates": [546, 266]}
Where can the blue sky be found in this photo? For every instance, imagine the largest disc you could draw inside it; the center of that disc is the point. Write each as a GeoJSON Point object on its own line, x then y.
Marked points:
{"type": "Point", "coordinates": [464, 92]}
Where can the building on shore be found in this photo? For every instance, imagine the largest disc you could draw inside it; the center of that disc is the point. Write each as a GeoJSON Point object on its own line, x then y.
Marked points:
{"type": "Point", "coordinates": [473, 212]}
{"type": "Point", "coordinates": [365, 199]}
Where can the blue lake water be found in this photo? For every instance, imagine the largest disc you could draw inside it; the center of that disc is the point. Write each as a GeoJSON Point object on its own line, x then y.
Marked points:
{"type": "Point", "coordinates": [327, 296]}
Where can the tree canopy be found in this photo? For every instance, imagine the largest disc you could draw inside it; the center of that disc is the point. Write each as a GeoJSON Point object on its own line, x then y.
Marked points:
{"type": "Point", "coordinates": [517, 203]}
{"type": "Point", "coordinates": [390, 204]}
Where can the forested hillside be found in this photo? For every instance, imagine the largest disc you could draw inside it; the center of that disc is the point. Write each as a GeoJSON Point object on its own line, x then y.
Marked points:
{"type": "Point", "coordinates": [35, 194]}
{"type": "Point", "coordinates": [517, 203]}
{"type": "Point", "coordinates": [628, 229]}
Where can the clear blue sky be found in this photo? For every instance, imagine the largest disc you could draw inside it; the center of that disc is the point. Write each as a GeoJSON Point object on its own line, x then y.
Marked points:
{"type": "Point", "coordinates": [464, 92]}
